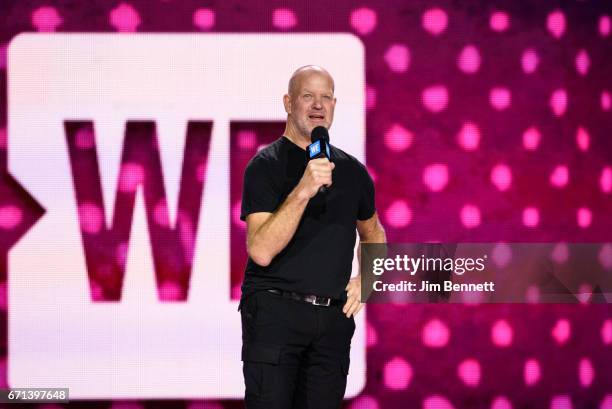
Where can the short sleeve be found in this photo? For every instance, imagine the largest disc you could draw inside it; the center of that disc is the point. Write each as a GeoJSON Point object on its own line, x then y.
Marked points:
{"type": "Point", "coordinates": [367, 205]}
{"type": "Point", "coordinates": [259, 191]}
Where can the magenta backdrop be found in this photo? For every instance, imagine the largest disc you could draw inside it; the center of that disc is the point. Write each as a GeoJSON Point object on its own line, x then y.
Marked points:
{"type": "Point", "coordinates": [485, 121]}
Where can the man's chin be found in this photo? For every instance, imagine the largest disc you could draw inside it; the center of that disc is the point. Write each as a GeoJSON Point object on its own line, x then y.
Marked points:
{"type": "Point", "coordinates": [313, 125]}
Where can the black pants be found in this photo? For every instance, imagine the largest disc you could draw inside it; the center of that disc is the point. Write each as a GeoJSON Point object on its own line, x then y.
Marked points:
{"type": "Point", "coordinates": [295, 355]}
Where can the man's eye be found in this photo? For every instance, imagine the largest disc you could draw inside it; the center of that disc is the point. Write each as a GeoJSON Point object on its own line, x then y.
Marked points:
{"type": "Point", "coordinates": [307, 96]}
{"type": "Point", "coordinates": [327, 97]}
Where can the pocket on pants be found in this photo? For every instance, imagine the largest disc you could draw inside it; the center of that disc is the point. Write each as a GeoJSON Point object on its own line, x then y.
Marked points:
{"type": "Point", "coordinates": [260, 368]}
{"type": "Point", "coordinates": [264, 353]}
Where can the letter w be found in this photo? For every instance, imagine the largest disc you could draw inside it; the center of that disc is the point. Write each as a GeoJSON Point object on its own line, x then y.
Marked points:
{"type": "Point", "coordinates": [172, 244]}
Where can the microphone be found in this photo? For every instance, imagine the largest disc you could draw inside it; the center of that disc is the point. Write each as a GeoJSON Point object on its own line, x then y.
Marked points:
{"type": "Point", "coordinates": [319, 147]}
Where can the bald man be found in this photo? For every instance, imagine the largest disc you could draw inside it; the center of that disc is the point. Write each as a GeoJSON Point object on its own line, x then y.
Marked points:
{"type": "Point", "coordinates": [298, 301]}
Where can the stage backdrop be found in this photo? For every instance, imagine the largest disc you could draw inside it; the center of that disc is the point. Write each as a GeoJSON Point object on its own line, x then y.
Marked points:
{"type": "Point", "coordinates": [121, 169]}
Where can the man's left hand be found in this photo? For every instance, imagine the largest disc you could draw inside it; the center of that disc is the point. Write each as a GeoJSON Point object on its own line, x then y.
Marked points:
{"type": "Point", "coordinates": [353, 297]}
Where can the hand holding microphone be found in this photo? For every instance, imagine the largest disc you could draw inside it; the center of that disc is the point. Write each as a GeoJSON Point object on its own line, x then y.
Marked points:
{"type": "Point", "coordinates": [318, 174]}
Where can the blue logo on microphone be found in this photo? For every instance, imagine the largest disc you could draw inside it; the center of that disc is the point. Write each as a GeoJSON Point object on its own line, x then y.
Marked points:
{"type": "Point", "coordinates": [314, 149]}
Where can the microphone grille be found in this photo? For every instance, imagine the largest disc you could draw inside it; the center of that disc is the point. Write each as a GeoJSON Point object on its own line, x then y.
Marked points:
{"type": "Point", "coordinates": [319, 132]}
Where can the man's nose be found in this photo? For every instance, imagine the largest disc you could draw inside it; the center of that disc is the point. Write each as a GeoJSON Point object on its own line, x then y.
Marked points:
{"type": "Point", "coordinates": [318, 103]}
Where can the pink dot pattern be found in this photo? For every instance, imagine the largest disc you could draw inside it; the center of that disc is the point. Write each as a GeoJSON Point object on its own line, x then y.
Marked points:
{"type": "Point", "coordinates": [121, 254]}
{"type": "Point", "coordinates": [501, 402]}
{"type": "Point", "coordinates": [364, 20]}
{"type": "Point", "coordinates": [371, 335]}
{"type": "Point", "coordinates": [470, 216]}
{"type": "Point", "coordinates": [91, 218]}
{"type": "Point", "coordinates": [531, 216]}
{"type": "Point", "coordinates": [583, 139]}
{"type": "Point", "coordinates": [398, 214]}
{"type": "Point", "coordinates": [46, 19]}
{"type": "Point", "coordinates": [532, 372]}
{"type": "Point", "coordinates": [437, 402]}
{"type": "Point", "coordinates": [561, 331]}
{"type": "Point", "coordinates": [247, 140]}
{"type": "Point", "coordinates": [531, 138]}
{"type": "Point", "coordinates": [435, 98]}
{"type": "Point", "coordinates": [204, 18]}
{"type": "Point", "coordinates": [469, 59]}
{"type": "Point", "coordinates": [85, 138]}
{"type": "Point", "coordinates": [10, 217]}
{"type": "Point", "coordinates": [398, 138]}
{"type": "Point", "coordinates": [284, 19]}
{"type": "Point", "coordinates": [606, 332]}
{"type": "Point", "coordinates": [370, 97]}
{"type": "Point", "coordinates": [586, 373]}
{"type": "Point", "coordinates": [435, 21]}
{"type": "Point", "coordinates": [125, 18]}
{"type": "Point", "coordinates": [132, 175]}
{"type": "Point", "coordinates": [435, 334]}
{"type": "Point", "coordinates": [397, 374]}
{"type": "Point", "coordinates": [559, 176]}
{"type": "Point", "coordinates": [605, 100]}
{"type": "Point", "coordinates": [605, 180]}
{"type": "Point", "coordinates": [469, 136]}
{"type": "Point", "coordinates": [160, 214]}
{"type": "Point", "coordinates": [502, 333]}
{"type": "Point", "coordinates": [584, 217]}
{"type": "Point", "coordinates": [561, 402]}
{"type": "Point", "coordinates": [604, 25]}
{"type": "Point", "coordinates": [435, 177]}
{"type": "Point", "coordinates": [364, 402]}
{"type": "Point", "coordinates": [558, 102]}
{"type": "Point", "coordinates": [530, 61]}
{"type": "Point", "coordinates": [170, 291]}
{"type": "Point", "coordinates": [397, 58]}
{"type": "Point", "coordinates": [500, 98]}
{"type": "Point", "coordinates": [556, 24]}
{"type": "Point", "coordinates": [499, 21]}
{"type": "Point", "coordinates": [469, 372]}
{"type": "Point", "coordinates": [583, 62]}
{"type": "Point", "coordinates": [501, 177]}
{"type": "Point", "coordinates": [606, 403]}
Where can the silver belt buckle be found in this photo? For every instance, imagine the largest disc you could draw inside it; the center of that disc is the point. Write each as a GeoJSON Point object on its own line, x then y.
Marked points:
{"type": "Point", "coordinates": [324, 304]}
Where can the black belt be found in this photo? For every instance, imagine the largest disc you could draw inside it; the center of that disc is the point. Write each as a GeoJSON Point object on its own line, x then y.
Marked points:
{"type": "Point", "coordinates": [308, 298]}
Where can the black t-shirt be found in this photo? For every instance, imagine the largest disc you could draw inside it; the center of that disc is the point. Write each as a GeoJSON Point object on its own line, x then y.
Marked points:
{"type": "Point", "coordinates": [318, 259]}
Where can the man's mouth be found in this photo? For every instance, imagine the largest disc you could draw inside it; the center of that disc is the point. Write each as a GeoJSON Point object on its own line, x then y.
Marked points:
{"type": "Point", "coordinates": [316, 117]}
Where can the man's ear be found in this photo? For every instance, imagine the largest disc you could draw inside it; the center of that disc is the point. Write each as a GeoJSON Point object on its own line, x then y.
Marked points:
{"type": "Point", "coordinates": [287, 103]}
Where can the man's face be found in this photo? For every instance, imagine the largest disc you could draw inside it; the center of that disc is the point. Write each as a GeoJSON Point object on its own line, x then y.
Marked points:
{"type": "Point", "coordinates": [312, 103]}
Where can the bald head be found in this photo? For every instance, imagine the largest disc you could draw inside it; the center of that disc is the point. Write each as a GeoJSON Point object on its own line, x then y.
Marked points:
{"type": "Point", "coordinates": [304, 72]}
{"type": "Point", "coordinates": [309, 102]}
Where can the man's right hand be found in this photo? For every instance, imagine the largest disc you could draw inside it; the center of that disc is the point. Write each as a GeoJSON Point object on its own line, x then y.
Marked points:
{"type": "Point", "coordinates": [318, 173]}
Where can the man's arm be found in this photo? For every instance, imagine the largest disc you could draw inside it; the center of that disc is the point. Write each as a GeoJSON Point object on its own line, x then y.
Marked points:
{"type": "Point", "coordinates": [370, 231]}
{"type": "Point", "coordinates": [269, 233]}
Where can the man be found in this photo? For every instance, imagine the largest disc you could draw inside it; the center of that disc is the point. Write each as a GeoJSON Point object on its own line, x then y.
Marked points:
{"type": "Point", "coordinates": [298, 304]}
